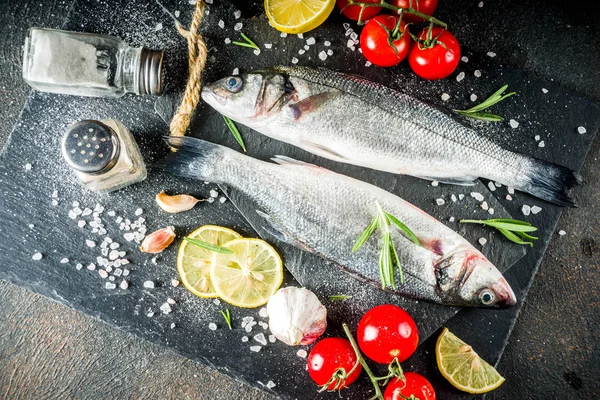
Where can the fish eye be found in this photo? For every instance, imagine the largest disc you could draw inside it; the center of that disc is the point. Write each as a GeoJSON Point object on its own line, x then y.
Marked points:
{"type": "Point", "coordinates": [233, 84]}
{"type": "Point", "coordinates": [486, 296]}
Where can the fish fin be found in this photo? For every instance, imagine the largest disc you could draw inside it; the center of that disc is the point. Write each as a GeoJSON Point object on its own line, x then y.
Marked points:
{"type": "Point", "coordinates": [193, 158]}
{"type": "Point", "coordinates": [286, 161]}
{"type": "Point", "coordinates": [460, 181]}
{"type": "Point", "coordinates": [550, 182]}
{"type": "Point", "coordinates": [321, 150]}
{"type": "Point", "coordinates": [311, 103]}
{"type": "Point", "coordinates": [280, 233]}
{"type": "Point", "coordinates": [433, 245]}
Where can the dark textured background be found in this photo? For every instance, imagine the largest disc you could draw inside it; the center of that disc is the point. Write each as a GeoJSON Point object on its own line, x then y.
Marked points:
{"type": "Point", "coordinates": [51, 351]}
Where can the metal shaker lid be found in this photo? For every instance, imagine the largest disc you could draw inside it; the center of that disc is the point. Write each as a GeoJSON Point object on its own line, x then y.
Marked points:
{"type": "Point", "coordinates": [151, 74]}
{"type": "Point", "coordinates": [90, 146]}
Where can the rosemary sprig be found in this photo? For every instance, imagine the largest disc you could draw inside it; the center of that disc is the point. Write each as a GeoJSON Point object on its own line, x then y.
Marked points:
{"type": "Point", "coordinates": [388, 256]}
{"type": "Point", "coordinates": [248, 43]}
{"type": "Point", "coordinates": [234, 131]}
{"type": "Point", "coordinates": [513, 229]}
{"type": "Point", "coordinates": [339, 297]}
{"type": "Point", "coordinates": [227, 315]}
{"type": "Point", "coordinates": [476, 111]}
{"type": "Point", "coordinates": [208, 246]}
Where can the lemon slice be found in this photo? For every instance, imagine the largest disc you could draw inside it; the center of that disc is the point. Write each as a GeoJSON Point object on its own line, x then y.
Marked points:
{"type": "Point", "coordinates": [463, 368]}
{"type": "Point", "coordinates": [249, 276]}
{"type": "Point", "coordinates": [298, 16]}
{"type": "Point", "coordinates": [193, 262]}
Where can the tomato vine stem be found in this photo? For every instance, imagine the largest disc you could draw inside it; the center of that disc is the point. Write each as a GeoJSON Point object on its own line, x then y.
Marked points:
{"type": "Point", "coordinates": [363, 362]}
{"type": "Point", "coordinates": [399, 10]}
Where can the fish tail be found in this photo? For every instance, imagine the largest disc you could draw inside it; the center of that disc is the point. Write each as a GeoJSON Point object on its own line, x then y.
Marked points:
{"type": "Point", "coordinates": [192, 158]}
{"type": "Point", "coordinates": [549, 181]}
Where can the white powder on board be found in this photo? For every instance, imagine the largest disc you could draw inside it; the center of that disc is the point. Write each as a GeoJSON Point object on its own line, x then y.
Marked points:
{"type": "Point", "coordinates": [63, 60]}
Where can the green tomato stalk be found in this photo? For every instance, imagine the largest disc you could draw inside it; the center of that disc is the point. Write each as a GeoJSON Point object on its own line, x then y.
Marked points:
{"type": "Point", "coordinates": [398, 10]}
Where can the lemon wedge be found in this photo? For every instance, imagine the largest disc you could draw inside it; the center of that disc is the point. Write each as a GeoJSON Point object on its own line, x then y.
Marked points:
{"type": "Point", "coordinates": [462, 367]}
{"type": "Point", "coordinates": [298, 16]}
{"type": "Point", "coordinates": [193, 262]}
{"type": "Point", "coordinates": [248, 276]}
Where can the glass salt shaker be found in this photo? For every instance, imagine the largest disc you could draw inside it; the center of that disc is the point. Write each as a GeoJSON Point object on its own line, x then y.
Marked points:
{"type": "Point", "coordinates": [103, 154]}
{"type": "Point", "coordinates": [86, 64]}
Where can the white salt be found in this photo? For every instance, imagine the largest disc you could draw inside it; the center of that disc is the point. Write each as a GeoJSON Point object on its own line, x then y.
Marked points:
{"type": "Point", "coordinates": [562, 233]}
{"type": "Point", "coordinates": [491, 211]}
{"type": "Point", "coordinates": [464, 59]}
{"type": "Point", "coordinates": [581, 130]}
{"type": "Point", "coordinates": [283, 34]}
{"type": "Point", "coordinates": [491, 186]}
{"type": "Point", "coordinates": [453, 198]}
{"type": "Point", "coordinates": [477, 196]}
{"type": "Point", "coordinates": [480, 4]}
{"type": "Point", "coordinates": [174, 282]}
{"type": "Point", "coordinates": [526, 209]}
{"type": "Point", "coordinates": [482, 241]}
{"type": "Point", "coordinates": [124, 285]}
{"type": "Point", "coordinates": [329, 52]}
{"type": "Point", "coordinates": [477, 73]}
{"type": "Point", "coordinates": [64, 260]}
{"type": "Point", "coordinates": [245, 339]}
{"type": "Point", "coordinates": [90, 243]}
{"type": "Point", "coordinates": [544, 90]}
{"type": "Point", "coordinates": [460, 77]}
{"type": "Point", "coordinates": [323, 55]}
{"type": "Point", "coordinates": [272, 339]}
{"type": "Point", "coordinates": [440, 202]}
{"type": "Point", "coordinates": [535, 209]}
{"type": "Point", "coordinates": [294, 60]}
{"type": "Point", "coordinates": [513, 123]}
{"type": "Point", "coordinates": [510, 190]}
{"type": "Point", "coordinates": [445, 97]}
{"type": "Point", "coordinates": [491, 54]}
{"type": "Point", "coordinates": [227, 40]}
{"type": "Point", "coordinates": [260, 338]}
{"type": "Point", "coordinates": [255, 349]}
{"type": "Point", "coordinates": [103, 274]}
{"type": "Point", "coordinates": [473, 97]}
{"type": "Point", "coordinates": [542, 144]}
{"type": "Point", "coordinates": [508, 197]}
{"type": "Point", "coordinates": [310, 41]}
{"type": "Point", "coordinates": [212, 326]}
{"type": "Point", "coordinates": [166, 308]}
{"type": "Point", "coordinates": [263, 312]}
{"type": "Point", "coordinates": [327, 43]}
{"type": "Point", "coordinates": [158, 27]}
{"type": "Point", "coordinates": [238, 26]}
{"type": "Point", "coordinates": [485, 206]}
{"type": "Point", "coordinates": [110, 285]}
{"type": "Point", "coordinates": [237, 14]}
{"type": "Point", "coordinates": [36, 256]}
{"type": "Point", "coordinates": [222, 200]}
{"type": "Point", "coordinates": [270, 385]}
{"type": "Point", "coordinates": [149, 285]}
{"type": "Point", "coordinates": [301, 353]}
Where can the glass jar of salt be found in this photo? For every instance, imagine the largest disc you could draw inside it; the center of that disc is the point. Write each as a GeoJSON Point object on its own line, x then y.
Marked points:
{"type": "Point", "coordinates": [103, 155]}
{"type": "Point", "coordinates": [86, 64]}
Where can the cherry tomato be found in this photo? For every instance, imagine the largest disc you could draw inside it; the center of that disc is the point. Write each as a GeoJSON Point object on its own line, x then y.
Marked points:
{"type": "Point", "coordinates": [424, 6]}
{"type": "Point", "coordinates": [386, 332]}
{"type": "Point", "coordinates": [327, 356]}
{"type": "Point", "coordinates": [416, 385]}
{"type": "Point", "coordinates": [385, 40]}
{"type": "Point", "coordinates": [431, 60]}
{"type": "Point", "coordinates": [353, 12]}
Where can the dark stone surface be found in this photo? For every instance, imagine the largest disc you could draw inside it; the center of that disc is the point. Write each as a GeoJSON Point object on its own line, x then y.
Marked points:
{"type": "Point", "coordinates": [549, 312]}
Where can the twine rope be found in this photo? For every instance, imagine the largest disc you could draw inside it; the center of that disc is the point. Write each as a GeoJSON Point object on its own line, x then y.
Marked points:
{"type": "Point", "coordinates": [196, 62]}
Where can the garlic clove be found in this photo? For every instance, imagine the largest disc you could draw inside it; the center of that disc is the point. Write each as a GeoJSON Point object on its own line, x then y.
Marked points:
{"type": "Point", "coordinates": [158, 240]}
{"type": "Point", "coordinates": [296, 316]}
{"type": "Point", "coordinates": [176, 203]}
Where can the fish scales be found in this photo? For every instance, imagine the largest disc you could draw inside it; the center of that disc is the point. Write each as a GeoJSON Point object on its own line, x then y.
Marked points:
{"type": "Point", "coordinates": [353, 120]}
{"type": "Point", "coordinates": [325, 212]}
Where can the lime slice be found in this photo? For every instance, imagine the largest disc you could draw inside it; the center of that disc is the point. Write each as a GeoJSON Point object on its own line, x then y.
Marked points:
{"type": "Point", "coordinates": [298, 16]}
{"type": "Point", "coordinates": [193, 262]}
{"type": "Point", "coordinates": [249, 276]}
{"type": "Point", "coordinates": [463, 368]}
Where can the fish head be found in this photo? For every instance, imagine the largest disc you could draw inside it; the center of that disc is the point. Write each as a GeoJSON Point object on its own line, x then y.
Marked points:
{"type": "Point", "coordinates": [468, 278]}
{"type": "Point", "coordinates": [251, 98]}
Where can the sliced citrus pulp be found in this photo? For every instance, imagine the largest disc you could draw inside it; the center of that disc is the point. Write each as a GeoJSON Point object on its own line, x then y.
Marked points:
{"type": "Point", "coordinates": [298, 16]}
{"type": "Point", "coordinates": [464, 369]}
{"type": "Point", "coordinates": [193, 262]}
{"type": "Point", "coordinates": [248, 276]}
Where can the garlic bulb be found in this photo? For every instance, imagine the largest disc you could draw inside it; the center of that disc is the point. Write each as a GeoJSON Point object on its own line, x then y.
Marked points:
{"type": "Point", "coordinates": [296, 316]}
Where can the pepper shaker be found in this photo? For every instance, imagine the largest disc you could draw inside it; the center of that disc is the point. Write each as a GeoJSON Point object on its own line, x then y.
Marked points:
{"type": "Point", "coordinates": [86, 64]}
{"type": "Point", "coordinates": [103, 155]}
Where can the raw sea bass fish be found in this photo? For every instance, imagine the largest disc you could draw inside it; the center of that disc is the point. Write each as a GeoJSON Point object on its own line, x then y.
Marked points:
{"type": "Point", "coordinates": [324, 212]}
{"type": "Point", "coordinates": [356, 121]}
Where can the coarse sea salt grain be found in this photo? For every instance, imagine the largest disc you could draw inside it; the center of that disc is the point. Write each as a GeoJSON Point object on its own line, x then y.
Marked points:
{"type": "Point", "coordinates": [263, 312]}
{"type": "Point", "coordinates": [255, 349]}
{"type": "Point", "coordinates": [300, 35]}
{"type": "Point", "coordinates": [482, 241]}
{"type": "Point", "coordinates": [28, 167]}
{"type": "Point", "coordinates": [245, 339]}
{"type": "Point", "coordinates": [301, 353]}
{"type": "Point", "coordinates": [110, 285]}
{"type": "Point", "coordinates": [78, 266]}
{"type": "Point", "coordinates": [440, 202]}
{"type": "Point", "coordinates": [103, 274]}
{"type": "Point", "coordinates": [177, 13]}
{"type": "Point", "coordinates": [294, 60]}
{"type": "Point", "coordinates": [562, 233]}
{"type": "Point", "coordinates": [301, 51]}
{"type": "Point", "coordinates": [90, 243]}
{"type": "Point", "coordinates": [477, 73]}
{"type": "Point", "coordinates": [480, 4]}
{"type": "Point", "coordinates": [491, 186]}
{"type": "Point", "coordinates": [283, 34]}
{"type": "Point", "coordinates": [581, 130]}
{"type": "Point", "coordinates": [461, 196]}
{"type": "Point", "coordinates": [526, 210]}
{"type": "Point", "coordinates": [268, 45]}
{"type": "Point", "coordinates": [460, 77]}
{"type": "Point", "coordinates": [451, 219]}
{"type": "Point", "coordinates": [227, 40]}
{"type": "Point", "coordinates": [327, 43]}
{"type": "Point", "coordinates": [323, 55]}
{"type": "Point", "coordinates": [477, 196]}
{"type": "Point", "coordinates": [149, 285]}
{"type": "Point", "coordinates": [272, 339]}
{"type": "Point", "coordinates": [212, 326]}
{"type": "Point", "coordinates": [238, 26]}
{"type": "Point", "coordinates": [510, 190]}
{"type": "Point", "coordinates": [158, 26]}
{"type": "Point", "coordinates": [216, 302]}
{"type": "Point", "coordinates": [64, 260]}
{"type": "Point", "coordinates": [329, 52]}
{"type": "Point", "coordinates": [270, 385]}
{"type": "Point", "coordinates": [237, 14]}
{"type": "Point", "coordinates": [174, 282]}
{"type": "Point", "coordinates": [166, 308]}
{"type": "Point", "coordinates": [535, 209]}
{"type": "Point", "coordinates": [124, 285]}
{"type": "Point", "coordinates": [235, 71]}
{"type": "Point", "coordinates": [260, 338]}
{"type": "Point", "coordinates": [310, 41]}
{"type": "Point", "coordinates": [36, 256]}
{"type": "Point", "coordinates": [491, 211]}
{"type": "Point", "coordinates": [445, 97]}
{"type": "Point", "coordinates": [453, 198]}
{"type": "Point", "coordinates": [464, 59]}
{"type": "Point", "coordinates": [473, 97]}
{"type": "Point", "coordinates": [485, 206]}
{"type": "Point", "coordinates": [256, 52]}
{"type": "Point", "coordinates": [544, 90]}
{"type": "Point", "coordinates": [491, 54]}
{"type": "Point", "coordinates": [508, 197]}
{"type": "Point", "coordinates": [513, 123]}
{"type": "Point", "coordinates": [542, 144]}
{"type": "Point", "coordinates": [434, 183]}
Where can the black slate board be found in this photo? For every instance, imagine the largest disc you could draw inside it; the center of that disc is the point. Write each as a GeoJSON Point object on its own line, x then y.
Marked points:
{"type": "Point", "coordinates": [26, 204]}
